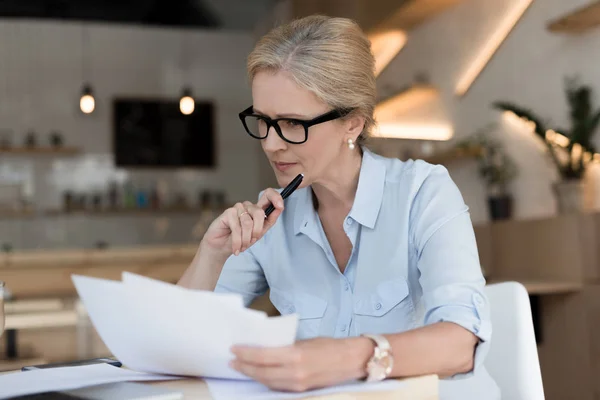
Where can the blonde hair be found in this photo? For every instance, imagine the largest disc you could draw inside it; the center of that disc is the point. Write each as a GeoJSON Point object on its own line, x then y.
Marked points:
{"type": "Point", "coordinates": [329, 56]}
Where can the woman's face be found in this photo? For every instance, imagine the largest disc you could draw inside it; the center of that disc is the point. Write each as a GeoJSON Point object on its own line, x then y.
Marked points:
{"type": "Point", "coordinates": [276, 95]}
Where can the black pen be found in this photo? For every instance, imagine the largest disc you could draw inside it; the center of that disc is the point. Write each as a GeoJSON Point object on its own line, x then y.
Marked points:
{"type": "Point", "coordinates": [289, 189]}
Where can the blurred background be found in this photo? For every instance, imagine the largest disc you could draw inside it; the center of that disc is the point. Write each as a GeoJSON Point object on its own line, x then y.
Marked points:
{"type": "Point", "coordinates": [120, 142]}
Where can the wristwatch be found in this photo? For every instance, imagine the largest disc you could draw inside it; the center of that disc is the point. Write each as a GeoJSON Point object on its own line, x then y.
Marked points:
{"type": "Point", "coordinates": [381, 363]}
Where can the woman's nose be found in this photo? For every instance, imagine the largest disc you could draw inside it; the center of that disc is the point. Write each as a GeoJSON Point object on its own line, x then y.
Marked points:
{"type": "Point", "coordinates": [273, 142]}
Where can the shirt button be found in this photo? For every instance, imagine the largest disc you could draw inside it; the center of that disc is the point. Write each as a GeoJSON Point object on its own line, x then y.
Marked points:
{"type": "Point", "coordinates": [343, 328]}
{"type": "Point", "coordinates": [348, 221]}
{"type": "Point", "coordinates": [291, 309]}
{"type": "Point", "coordinates": [378, 306]}
{"type": "Point", "coordinates": [346, 286]}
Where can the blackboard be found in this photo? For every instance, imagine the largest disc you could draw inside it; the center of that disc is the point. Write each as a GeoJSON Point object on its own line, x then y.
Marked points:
{"type": "Point", "coordinates": [154, 133]}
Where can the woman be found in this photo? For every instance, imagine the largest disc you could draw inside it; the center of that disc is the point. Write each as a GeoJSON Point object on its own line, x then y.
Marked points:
{"type": "Point", "coordinates": [366, 245]}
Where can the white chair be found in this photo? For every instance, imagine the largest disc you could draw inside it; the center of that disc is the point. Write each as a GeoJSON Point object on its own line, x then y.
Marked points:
{"type": "Point", "coordinates": [513, 358]}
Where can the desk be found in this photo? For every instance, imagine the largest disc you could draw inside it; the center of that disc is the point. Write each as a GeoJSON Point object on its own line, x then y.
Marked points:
{"type": "Point", "coordinates": [545, 287]}
{"type": "Point", "coordinates": [419, 388]}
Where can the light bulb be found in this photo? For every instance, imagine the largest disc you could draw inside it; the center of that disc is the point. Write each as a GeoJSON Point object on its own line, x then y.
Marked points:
{"type": "Point", "coordinates": [87, 103]}
{"type": "Point", "coordinates": [186, 105]}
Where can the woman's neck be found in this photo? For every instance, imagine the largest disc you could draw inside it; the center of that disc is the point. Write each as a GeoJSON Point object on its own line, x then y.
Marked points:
{"type": "Point", "coordinates": [338, 188]}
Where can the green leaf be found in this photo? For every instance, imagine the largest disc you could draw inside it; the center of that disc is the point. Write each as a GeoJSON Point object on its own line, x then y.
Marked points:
{"type": "Point", "coordinates": [522, 112]}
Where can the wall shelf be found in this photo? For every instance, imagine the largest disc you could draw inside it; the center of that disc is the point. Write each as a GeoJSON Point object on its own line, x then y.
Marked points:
{"type": "Point", "coordinates": [34, 151]}
{"type": "Point", "coordinates": [578, 21]}
{"type": "Point", "coordinates": [404, 101]}
{"type": "Point", "coordinates": [412, 13]}
{"type": "Point", "coordinates": [105, 212]}
{"type": "Point", "coordinates": [446, 157]}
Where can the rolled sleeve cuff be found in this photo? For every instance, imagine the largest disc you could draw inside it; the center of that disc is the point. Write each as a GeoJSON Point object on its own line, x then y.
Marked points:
{"type": "Point", "coordinates": [475, 319]}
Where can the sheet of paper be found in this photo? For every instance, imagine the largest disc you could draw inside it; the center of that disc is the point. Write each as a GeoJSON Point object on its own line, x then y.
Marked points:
{"type": "Point", "coordinates": [143, 284]}
{"type": "Point", "coordinates": [224, 389]}
{"type": "Point", "coordinates": [107, 308]}
{"type": "Point", "coordinates": [57, 379]}
{"type": "Point", "coordinates": [161, 328]}
{"type": "Point", "coordinates": [194, 338]}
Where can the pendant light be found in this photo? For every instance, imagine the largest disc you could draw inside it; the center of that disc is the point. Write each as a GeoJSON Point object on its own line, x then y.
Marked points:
{"type": "Point", "coordinates": [186, 102]}
{"type": "Point", "coordinates": [87, 102]}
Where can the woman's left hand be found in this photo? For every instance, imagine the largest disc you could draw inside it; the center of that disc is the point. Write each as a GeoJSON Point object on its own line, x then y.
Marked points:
{"type": "Point", "coordinates": [308, 364]}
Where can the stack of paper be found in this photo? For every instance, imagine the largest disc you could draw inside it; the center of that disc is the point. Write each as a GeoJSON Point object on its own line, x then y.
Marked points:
{"type": "Point", "coordinates": [156, 327]}
{"type": "Point", "coordinates": [65, 378]}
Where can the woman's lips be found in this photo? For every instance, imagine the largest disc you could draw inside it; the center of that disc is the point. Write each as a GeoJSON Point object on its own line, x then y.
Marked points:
{"type": "Point", "coordinates": [281, 166]}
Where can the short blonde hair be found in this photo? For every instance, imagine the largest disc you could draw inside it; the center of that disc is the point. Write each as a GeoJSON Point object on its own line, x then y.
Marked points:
{"type": "Point", "coordinates": [329, 56]}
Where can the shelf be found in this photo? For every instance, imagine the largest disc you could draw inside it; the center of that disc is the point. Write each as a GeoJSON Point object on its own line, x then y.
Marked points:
{"type": "Point", "coordinates": [454, 155]}
{"type": "Point", "coordinates": [412, 13]}
{"type": "Point", "coordinates": [404, 101]}
{"type": "Point", "coordinates": [578, 21]}
{"type": "Point", "coordinates": [40, 150]}
{"type": "Point", "coordinates": [125, 211]}
{"type": "Point", "coordinates": [544, 287]}
{"type": "Point", "coordinates": [103, 212]}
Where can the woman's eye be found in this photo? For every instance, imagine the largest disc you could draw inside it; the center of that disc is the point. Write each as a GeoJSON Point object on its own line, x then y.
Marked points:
{"type": "Point", "coordinates": [292, 124]}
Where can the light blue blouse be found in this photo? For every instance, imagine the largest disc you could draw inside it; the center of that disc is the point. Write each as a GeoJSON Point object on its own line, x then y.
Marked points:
{"type": "Point", "coordinates": [414, 262]}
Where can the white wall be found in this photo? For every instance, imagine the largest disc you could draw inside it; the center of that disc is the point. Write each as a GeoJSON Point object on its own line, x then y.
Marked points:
{"type": "Point", "coordinates": [40, 84]}
{"type": "Point", "coordinates": [528, 69]}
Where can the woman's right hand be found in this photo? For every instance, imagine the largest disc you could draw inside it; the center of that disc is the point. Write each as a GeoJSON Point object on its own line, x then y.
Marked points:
{"type": "Point", "coordinates": [242, 225]}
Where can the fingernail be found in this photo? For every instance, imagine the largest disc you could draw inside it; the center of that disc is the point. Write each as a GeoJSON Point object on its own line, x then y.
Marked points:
{"type": "Point", "coordinates": [237, 252]}
{"type": "Point", "coordinates": [279, 203]}
{"type": "Point", "coordinates": [243, 249]}
{"type": "Point", "coordinates": [253, 240]}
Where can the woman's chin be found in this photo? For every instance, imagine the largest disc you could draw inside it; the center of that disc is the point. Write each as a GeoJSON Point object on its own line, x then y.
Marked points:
{"type": "Point", "coordinates": [284, 179]}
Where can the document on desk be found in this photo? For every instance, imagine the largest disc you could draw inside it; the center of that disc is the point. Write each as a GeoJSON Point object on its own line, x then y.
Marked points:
{"type": "Point", "coordinates": [156, 327]}
{"type": "Point", "coordinates": [66, 378]}
{"type": "Point", "coordinates": [223, 389]}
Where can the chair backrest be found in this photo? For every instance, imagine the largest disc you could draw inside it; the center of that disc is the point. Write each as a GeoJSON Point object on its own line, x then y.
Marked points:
{"type": "Point", "coordinates": [513, 358]}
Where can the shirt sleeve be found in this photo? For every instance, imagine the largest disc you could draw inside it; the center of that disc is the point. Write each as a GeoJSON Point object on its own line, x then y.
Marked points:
{"type": "Point", "coordinates": [448, 261]}
{"type": "Point", "coordinates": [243, 275]}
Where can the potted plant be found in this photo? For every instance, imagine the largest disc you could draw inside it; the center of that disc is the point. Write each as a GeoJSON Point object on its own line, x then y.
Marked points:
{"type": "Point", "coordinates": [496, 168]}
{"type": "Point", "coordinates": [571, 150]}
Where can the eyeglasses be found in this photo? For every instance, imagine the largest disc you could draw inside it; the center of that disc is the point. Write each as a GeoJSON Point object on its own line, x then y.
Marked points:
{"type": "Point", "coordinates": [291, 130]}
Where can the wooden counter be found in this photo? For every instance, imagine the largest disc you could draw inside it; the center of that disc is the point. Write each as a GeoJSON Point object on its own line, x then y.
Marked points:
{"type": "Point", "coordinates": [46, 273]}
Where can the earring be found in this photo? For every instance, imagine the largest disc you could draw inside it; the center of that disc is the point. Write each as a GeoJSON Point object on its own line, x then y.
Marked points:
{"type": "Point", "coordinates": [351, 144]}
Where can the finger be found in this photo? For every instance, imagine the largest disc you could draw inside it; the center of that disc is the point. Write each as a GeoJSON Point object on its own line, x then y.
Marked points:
{"type": "Point", "coordinates": [258, 215]}
{"type": "Point", "coordinates": [267, 356]}
{"type": "Point", "coordinates": [236, 229]}
{"type": "Point", "coordinates": [270, 221]}
{"type": "Point", "coordinates": [246, 224]}
{"type": "Point", "coordinates": [274, 377]}
{"type": "Point", "coordinates": [270, 196]}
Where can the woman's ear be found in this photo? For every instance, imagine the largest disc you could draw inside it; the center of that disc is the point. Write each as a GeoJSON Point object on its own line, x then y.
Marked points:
{"type": "Point", "coordinates": [355, 124]}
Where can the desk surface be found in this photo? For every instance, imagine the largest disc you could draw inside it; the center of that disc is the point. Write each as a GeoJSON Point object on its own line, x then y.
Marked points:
{"type": "Point", "coordinates": [544, 287]}
{"type": "Point", "coordinates": [419, 388]}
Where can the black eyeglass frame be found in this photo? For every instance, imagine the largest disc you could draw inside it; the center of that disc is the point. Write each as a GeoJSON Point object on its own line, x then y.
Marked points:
{"type": "Point", "coordinates": [328, 116]}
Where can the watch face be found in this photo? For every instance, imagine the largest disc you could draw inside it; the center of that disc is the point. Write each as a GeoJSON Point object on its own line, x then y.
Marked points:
{"type": "Point", "coordinates": [380, 367]}
{"type": "Point", "coordinates": [386, 363]}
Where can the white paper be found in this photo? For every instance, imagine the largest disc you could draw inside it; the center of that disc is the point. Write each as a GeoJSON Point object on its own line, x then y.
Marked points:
{"type": "Point", "coordinates": [147, 286]}
{"type": "Point", "coordinates": [162, 328]}
{"type": "Point", "coordinates": [107, 308]}
{"type": "Point", "coordinates": [223, 389]}
{"type": "Point", "coordinates": [66, 378]}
